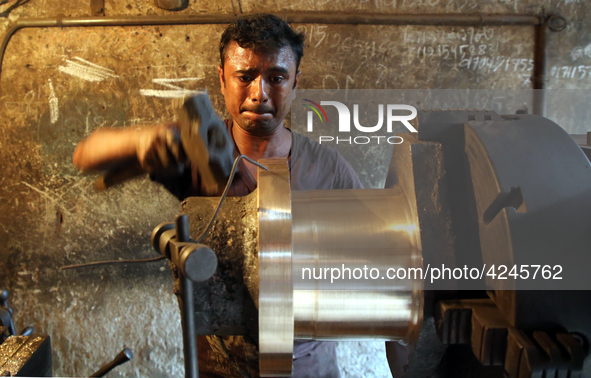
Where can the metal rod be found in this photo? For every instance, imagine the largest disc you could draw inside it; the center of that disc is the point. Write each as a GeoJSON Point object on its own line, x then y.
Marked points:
{"type": "Point", "coordinates": [293, 17]}
{"type": "Point", "coordinates": [188, 306]}
{"type": "Point", "coordinates": [475, 19]}
{"type": "Point", "coordinates": [539, 70]}
{"type": "Point", "coordinates": [188, 324]}
{"type": "Point", "coordinates": [181, 223]}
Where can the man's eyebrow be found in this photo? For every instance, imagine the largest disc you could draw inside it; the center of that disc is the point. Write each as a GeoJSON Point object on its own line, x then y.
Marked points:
{"type": "Point", "coordinates": [274, 69]}
{"type": "Point", "coordinates": [279, 69]}
{"type": "Point", "coordinates": [244, 71]}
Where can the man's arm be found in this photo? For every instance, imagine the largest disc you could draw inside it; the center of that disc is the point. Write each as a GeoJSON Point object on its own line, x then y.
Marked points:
{"type": "Point", "coordinates": [155, 148]}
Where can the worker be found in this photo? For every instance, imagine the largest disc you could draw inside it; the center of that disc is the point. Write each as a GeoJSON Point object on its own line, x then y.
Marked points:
{"type": "Point", "coordinates": [259, 75]}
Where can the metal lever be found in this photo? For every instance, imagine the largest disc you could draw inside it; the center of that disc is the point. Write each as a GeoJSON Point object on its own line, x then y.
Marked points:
{"type": "Point", "coordinates": [4, 298]}
{"type": "Point", "coordinates": [28, 331]}
{"type": "Point", "coordinates": [6, 312]}
{"type": "Point", "coordinates": [195, 263]}
{"type": "Point", "coordinates": [123, 356]}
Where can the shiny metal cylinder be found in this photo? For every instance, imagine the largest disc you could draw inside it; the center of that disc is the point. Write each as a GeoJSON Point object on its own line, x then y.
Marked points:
{"type": "Point", "coordinates": [362, 234]}
{"type": "Point", "coordinates": [275, 282]}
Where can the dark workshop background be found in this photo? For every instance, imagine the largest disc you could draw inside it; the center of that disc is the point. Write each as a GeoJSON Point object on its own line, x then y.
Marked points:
{"type": "Point", "coordinates": [59, 84]}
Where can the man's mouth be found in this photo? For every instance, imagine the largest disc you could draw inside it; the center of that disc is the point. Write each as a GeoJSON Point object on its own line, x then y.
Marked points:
{"type": "Point", "coordinates": [258, 114]}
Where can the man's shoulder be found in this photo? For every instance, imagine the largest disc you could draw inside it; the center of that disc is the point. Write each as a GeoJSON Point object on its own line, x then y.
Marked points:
{"type": "Point", "coordinates": [305, 144]}
{"type": "Point", "coordinates": [319, 166]}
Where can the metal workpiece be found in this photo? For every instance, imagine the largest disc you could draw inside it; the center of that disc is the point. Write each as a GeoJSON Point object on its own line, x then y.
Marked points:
{"type": "Point", "coordinates": [260, 263]}
{"type": "Point", "coordinates": [358, 314]}
{"type": "Point", "coordinates": [276, 314]}
{"type": "Point", "coordinates": [347, 232]}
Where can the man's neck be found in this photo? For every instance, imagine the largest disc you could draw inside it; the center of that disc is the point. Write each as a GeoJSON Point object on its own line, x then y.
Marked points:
{"type": "Point", "coordinates": [277, 144]}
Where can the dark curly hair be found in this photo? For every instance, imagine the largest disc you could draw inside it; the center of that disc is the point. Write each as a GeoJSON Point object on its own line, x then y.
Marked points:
{"type": "Point", "coordinates": [265, 33]}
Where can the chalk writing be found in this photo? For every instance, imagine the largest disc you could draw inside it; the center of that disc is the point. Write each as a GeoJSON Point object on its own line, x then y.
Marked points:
{"type": "Point", "coordinates": [452, 52]}
{"type": "Point", "coordinates": [53, 105]}
{"type": "Point", "coordinates": [580, 52]}
{"type": "Point", "coordinates": [571, 72]}
{"type": "Point", "coordinates": [174, 92]}
{"type": "Point", "coordinates": [498, 63]}
{"type": "Point", "coordinates": [458, 35]}
{"type": "Point", "coordinates": [86, 70]}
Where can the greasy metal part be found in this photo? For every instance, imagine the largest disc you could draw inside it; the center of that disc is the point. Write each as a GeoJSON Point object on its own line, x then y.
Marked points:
{"type": "Point", "coordinates": [360, 229]}
{"type": "Point", "coordinates": [419, 359]}
{"type": "Point", "coordinates": [276, 306]}
{"type": "Point", "coordinates": [26, 356]}
{"type": "Point", "coordinates": [496, 343]}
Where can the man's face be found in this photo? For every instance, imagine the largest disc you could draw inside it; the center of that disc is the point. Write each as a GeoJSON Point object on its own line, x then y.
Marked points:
{"type": "Point", "coordinates": [258, 88]}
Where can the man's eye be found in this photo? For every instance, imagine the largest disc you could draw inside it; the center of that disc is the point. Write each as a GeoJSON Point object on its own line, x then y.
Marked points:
{"type": "Point", "coordinates": [277, 79]}
{"type": "Point", "coordinates": [245, 79]}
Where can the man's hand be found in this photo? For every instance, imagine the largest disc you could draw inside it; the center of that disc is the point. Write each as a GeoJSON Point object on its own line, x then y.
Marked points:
{"type": "Point", "coordinates": [159, 148]}
{"type": "Point", "coordinates": [155, 148]}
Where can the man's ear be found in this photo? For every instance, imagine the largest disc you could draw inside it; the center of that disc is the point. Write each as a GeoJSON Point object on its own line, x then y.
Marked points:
{"type": "Point", "coordinates": [297, 79]}
{"type": "Point", "coordinates": [295, 85]}
{"type": "Point", "coordinates": [222, 79]}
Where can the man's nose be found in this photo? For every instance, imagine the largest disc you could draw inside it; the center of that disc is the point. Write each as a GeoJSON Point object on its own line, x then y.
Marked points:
{"type": "Point", "coordinates": [259, 91]}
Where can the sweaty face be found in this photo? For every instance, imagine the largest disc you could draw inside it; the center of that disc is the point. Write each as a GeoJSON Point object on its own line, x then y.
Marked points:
{"type": "Point", "coordinates": [258, 88]}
